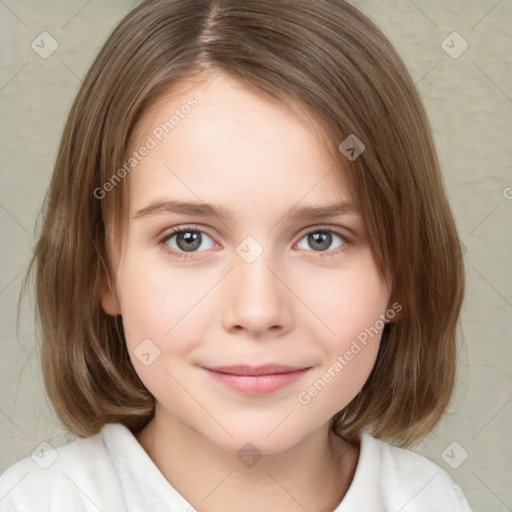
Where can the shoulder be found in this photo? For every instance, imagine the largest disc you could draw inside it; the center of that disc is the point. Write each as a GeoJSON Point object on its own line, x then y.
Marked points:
{"type": "Point", "coordinates": [77, 476]}
{"type": "Point", "coordinates": [392, 478]}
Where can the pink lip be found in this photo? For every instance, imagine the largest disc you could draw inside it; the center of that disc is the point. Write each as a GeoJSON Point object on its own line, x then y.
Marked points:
{"type": "Point", "coordinates": [257, 380]}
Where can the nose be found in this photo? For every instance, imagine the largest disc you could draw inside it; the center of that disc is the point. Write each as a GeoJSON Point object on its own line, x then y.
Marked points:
{"type": "Point", "coordinates": [256, 301]}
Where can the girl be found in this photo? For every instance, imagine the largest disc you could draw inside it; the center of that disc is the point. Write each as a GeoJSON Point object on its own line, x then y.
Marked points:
{"type": "Point", "coordinates": [248, 276]}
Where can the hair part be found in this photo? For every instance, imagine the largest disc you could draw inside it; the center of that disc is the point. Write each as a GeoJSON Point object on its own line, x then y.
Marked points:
{"type": "Point", "coordinates": [328, 62]}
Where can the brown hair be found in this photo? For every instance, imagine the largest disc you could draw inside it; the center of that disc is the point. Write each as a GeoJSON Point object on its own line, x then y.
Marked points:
{"type": "Point", "coordinates": [324, 55]}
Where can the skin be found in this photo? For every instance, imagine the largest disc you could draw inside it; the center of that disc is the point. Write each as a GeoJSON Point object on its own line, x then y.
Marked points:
{"type": "Point", "coordinates": [292, 305]}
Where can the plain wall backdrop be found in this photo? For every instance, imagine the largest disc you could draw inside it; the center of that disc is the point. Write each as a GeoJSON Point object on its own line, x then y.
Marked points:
{"type": "Point", "coordinates": [468, 95]}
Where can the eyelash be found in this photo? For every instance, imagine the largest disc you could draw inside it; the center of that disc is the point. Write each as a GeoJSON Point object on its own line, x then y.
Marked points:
{"type": "Point", "coordinates": [184, 229]}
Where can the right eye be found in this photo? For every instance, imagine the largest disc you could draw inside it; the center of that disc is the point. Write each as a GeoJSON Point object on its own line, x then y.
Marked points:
{"type": "Point", "coordinates": [184, 240]}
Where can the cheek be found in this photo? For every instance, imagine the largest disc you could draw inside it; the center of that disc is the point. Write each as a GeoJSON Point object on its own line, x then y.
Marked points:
{"type": "Point", "coordinates": [156, 299]}
{"type": "Point", "coordinates": [348, 359]}
{"type": "Point", "coordinates": [164, 311]}
{"type": "Point", "coordinates": [159, 321]}
{"type": "Point", "coordinates": [351, 305]}
{"type": "Point", "coordinates": [337, 383]}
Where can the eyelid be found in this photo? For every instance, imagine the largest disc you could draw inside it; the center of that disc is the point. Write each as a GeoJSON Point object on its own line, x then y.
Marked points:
{"type": "Point", "coordinates": [185, 227]}
{"type": "Point", "coordinates": [339, 230]}
{"type": "Point", "coordinates": [347, 240]}
{"type": "Point", "coordinates": [170, 233]}
{"type": "Point", "coordinates": [195, 228]}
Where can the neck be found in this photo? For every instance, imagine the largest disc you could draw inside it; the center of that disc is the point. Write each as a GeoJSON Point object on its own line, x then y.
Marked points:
{"type": "Point", "coordinates": [313, 475]}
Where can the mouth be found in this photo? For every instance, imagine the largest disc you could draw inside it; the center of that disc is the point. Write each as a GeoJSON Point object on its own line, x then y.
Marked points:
{"type": "Point", "coordinates": [256, 380]}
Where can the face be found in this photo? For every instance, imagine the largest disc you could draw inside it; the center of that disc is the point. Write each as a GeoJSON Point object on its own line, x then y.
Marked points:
{"type": "Point", "coordinates": [248, 319]}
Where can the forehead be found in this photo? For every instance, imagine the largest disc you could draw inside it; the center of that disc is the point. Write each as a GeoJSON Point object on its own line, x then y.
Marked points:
{"type": "Point", "coordinates": [234, 146]}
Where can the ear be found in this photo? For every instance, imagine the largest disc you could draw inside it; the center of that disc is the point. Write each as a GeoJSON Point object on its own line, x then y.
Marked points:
{"type": "Point", "coordinates": [110, 301]}
{"type": "Point", "coordinates": [399, 314]}
{"type": "Point", "coordinates": [108, 295]}
{"type": "Point", "coordinates": [396, 306]}
{"type": "Point", "coordinates": [396, 311]}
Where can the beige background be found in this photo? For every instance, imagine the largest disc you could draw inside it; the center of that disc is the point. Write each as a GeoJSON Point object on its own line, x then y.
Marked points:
{"type": "Point", "coordinates": [469, 100]}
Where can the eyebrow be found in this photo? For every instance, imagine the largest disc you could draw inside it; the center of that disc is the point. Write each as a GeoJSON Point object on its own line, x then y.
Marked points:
{"type": "Point", "coordinates": [159, 207]}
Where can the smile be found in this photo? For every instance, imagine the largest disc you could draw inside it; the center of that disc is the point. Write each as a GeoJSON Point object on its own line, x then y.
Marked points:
{"type": "Point", "coordinates": [256, 380]}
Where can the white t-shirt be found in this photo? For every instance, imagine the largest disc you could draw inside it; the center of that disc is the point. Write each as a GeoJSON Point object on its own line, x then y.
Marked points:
{"type": "Point", "coordinates": [111, 472]}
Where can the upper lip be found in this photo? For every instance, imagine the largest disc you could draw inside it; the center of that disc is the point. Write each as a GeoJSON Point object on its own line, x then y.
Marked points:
{"type": "Point", "coordinates": [267, 369]}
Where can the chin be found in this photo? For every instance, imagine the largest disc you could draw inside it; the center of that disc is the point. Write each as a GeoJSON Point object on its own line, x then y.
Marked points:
{"type": "Point", "coordinates": [265, 437]}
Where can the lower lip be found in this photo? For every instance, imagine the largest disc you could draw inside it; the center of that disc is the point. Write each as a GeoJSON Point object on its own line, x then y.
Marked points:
{"type": "Point", "coordinates": [257, 384]}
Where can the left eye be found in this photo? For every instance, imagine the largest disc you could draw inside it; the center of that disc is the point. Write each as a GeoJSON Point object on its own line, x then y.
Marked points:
{"type": "Point", "coordinates": [321, 241]}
